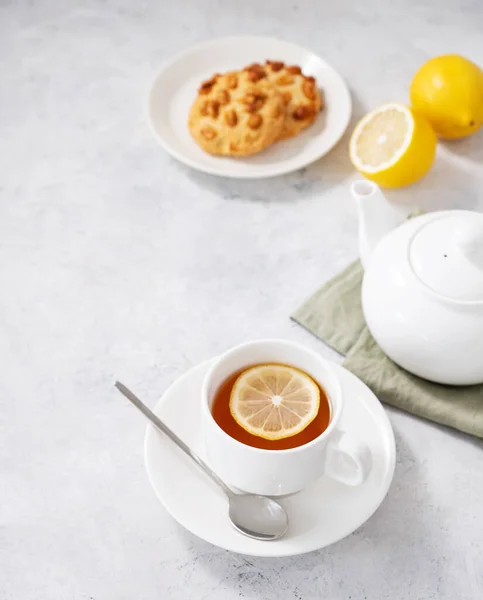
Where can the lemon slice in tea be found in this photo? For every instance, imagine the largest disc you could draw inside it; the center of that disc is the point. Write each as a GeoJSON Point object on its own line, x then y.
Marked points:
{"type": "Point", "coordinates": [274, 401]}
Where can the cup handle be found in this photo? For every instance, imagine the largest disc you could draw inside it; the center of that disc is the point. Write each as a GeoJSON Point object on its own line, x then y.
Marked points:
{"type": "Point", "coordinates": [348, 460]}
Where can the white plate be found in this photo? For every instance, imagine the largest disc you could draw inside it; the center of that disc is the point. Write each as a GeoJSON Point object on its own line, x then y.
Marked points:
{"type": "Point", "coordinates": [320, 515]}
{"type": "Point", "coordinates": [175, 87]}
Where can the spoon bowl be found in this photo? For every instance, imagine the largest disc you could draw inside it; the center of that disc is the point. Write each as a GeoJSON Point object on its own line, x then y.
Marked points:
{"type": "Point", "coordinates": [258, 517]}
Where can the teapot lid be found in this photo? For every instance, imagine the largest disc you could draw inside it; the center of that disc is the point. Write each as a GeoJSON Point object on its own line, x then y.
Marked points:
{"type": "Point", "coordinates": [446, 254]}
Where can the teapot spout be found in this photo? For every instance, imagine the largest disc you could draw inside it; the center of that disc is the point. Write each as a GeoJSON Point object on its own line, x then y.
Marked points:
{"type": "Point", "coordinates": [376, 217]}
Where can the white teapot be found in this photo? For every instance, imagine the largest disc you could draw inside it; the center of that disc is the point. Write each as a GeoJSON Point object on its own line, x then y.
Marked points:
{"type": "Point", "coordinates": [422, 293]}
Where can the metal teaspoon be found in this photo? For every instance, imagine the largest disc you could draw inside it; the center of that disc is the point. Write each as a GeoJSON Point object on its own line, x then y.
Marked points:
{"type": "Point", "coordinates": [257, 517]}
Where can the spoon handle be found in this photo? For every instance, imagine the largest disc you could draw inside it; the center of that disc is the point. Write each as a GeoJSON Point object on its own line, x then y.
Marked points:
{"type": "Point", "coordinates": [173, 437]}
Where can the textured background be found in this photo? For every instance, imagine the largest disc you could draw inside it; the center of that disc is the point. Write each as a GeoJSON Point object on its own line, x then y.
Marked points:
{"type": "Point", "coordinates": [115, 261]}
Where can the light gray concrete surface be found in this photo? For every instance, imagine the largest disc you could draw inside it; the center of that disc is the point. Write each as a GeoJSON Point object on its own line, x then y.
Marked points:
{"type": "Point", "coordinates": [117, 262]}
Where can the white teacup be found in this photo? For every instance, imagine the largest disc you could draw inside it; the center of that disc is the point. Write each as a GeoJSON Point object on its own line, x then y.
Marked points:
{"type": "Point", "coordinates": [278, 472]}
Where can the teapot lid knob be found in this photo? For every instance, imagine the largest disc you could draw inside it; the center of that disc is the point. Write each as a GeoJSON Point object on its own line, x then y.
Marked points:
{"type": "Point", "coordinates": [447, 255]}
{"type": "Point", "coordinates": [468, 237]}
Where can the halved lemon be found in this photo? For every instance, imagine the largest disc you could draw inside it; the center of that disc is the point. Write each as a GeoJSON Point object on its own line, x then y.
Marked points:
{"type": "Point", "coordinates": [393, 146]}
{"type": "Point", "coordinates": [274, 401]}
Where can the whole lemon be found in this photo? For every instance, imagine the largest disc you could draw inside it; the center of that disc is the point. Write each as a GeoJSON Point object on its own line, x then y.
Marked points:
{"type": "Point", "coordinates": [448, 91]}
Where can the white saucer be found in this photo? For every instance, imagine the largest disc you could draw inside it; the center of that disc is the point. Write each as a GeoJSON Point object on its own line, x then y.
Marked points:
{"type": "Point", "coordinates": [320, 515]}
{"type": "Point", "coordinates": [174, 90]}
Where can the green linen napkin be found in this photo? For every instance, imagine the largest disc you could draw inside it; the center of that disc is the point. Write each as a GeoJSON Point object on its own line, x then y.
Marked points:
{"type": "Point", "coordinates": [334, 315]}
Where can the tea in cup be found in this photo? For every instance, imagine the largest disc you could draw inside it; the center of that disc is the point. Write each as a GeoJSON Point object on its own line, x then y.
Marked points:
{"type": "Point", "coordinates": [270, 415]}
